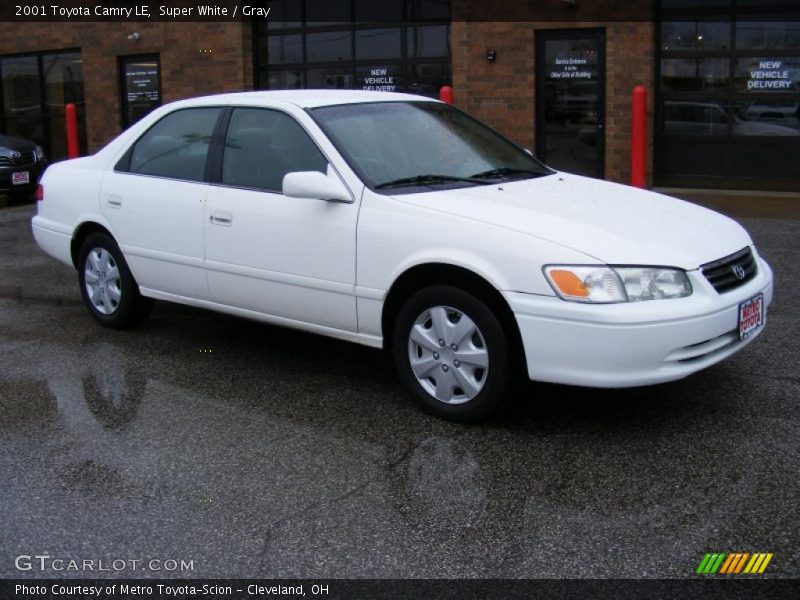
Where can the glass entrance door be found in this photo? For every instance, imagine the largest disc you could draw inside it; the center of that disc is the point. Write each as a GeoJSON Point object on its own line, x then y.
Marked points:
{"type": "Point", "coordinates": [570, 106]}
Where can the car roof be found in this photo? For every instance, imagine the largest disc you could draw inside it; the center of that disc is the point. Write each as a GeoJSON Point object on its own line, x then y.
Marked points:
{"type": "Point", "coordinates": [308, 98]}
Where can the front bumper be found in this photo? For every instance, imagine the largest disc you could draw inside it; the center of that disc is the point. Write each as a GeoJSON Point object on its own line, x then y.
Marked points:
{"type": "Point", "coordinates": [632, 344]}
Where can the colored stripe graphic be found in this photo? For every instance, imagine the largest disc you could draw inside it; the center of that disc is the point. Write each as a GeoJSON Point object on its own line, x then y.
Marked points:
{"type": "Point", "coordinates": [703, 563]}
{"type": "Point", "coordinates": [717, 564]}
{"type": "Point", "coordinates": [758, 563]}
{"type": "Point", "coordinates": [733, 562]}
{"type": "Point", "coordinates": [732, 558]}
{"type": "Point", "coordinates": [740, 564]}
{"type": "Point", "coordinates": [765, 563]}
{"type": "Point", "coordinates": [711, 563]}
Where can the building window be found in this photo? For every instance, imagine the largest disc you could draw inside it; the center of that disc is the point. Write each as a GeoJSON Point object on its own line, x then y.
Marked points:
{"type": "Point", "coordinates": [728, 94]}
{"type": "Point", "coordinates": [34, 88]}
{"type": "Point", "coordinates": [141, 86]}
{"type": "Point", "coordinates": [396, 45]}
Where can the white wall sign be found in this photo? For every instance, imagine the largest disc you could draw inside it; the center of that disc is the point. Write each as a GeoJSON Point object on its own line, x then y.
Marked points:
{"type": "Point", "coordinates": [571, 68]}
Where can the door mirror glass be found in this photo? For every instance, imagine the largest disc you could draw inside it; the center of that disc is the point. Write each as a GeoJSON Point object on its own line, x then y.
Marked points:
{"type": "Point", "coordinates": [315, 185]}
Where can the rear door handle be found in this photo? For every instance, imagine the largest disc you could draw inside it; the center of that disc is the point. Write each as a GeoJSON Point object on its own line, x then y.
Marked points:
{"type": "Point", "coordinates": [222, 218]}
{"type": "Point", "coordinates": [114, 201]}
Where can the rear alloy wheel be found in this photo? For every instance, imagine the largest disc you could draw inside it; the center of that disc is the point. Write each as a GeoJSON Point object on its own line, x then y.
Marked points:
{"type": "Point", "coordinates": [103, 281]}
{"type": "Point", "coordinates": [107, 286]}
{"type": "Point", "coordinates": [451, 353]}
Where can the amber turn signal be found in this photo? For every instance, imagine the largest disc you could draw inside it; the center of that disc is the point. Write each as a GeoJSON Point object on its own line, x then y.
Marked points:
{"type": "Point", "coordinates": [569, 284]}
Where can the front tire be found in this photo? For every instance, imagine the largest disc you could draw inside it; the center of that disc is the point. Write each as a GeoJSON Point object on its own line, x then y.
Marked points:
{"type": "Point", "coordinates": [107, 286]}
{"type": "Point", "coordinates": [451, 353]}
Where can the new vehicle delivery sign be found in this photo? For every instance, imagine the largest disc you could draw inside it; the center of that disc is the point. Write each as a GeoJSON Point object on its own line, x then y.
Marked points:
{"type": "Point", "coordinates": [770, 75]}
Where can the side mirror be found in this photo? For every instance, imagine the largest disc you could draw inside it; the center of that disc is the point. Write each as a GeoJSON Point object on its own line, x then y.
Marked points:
{"type": "Point", "coordinates": [315, 185]}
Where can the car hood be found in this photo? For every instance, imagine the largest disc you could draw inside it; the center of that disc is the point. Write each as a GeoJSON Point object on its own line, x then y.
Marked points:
{"type": "Point", "coordinates": [755, 127]}
{"type": "Point", "coordinates": [8, 143]}
{"type": "Point", "coordinates": [613, 223]}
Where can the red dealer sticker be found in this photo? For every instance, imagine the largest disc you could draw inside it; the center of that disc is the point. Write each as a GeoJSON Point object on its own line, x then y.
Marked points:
{"type": "Point", "coordinates": [751, 316]}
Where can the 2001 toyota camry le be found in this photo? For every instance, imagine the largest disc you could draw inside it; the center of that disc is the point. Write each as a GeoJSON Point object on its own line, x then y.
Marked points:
{"type": "Point", "coordinates": [400, 222]}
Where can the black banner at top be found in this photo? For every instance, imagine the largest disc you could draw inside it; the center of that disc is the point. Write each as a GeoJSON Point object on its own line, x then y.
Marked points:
{"type": "Point", "coordinates": [345, 11]}
{"type": "Point", "coordinates": [132, 11]}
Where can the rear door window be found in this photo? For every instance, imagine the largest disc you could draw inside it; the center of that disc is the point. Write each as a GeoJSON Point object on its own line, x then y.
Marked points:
{"type": "Point", "coordinates": [177, 146]}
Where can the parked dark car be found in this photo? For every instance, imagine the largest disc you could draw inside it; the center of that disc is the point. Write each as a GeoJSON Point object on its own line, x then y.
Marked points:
{"type": "Point", "coordinates": [21, 165]}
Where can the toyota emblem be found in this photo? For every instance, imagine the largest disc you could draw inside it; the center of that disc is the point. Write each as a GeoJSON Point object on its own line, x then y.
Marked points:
{"type": "Point", "coordinates": [738, 270]}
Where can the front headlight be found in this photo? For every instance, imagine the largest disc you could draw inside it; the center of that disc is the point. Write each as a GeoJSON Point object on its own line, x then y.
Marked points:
{"type": "Point", "coordinates": [39, 154]}
{"type": "Point", "coordinates": [654, 283]}
{"type": "Point", "coordinates": [603, 285]}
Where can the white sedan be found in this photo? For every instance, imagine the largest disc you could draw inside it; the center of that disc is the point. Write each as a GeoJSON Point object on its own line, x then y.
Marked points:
{"type": "Point", "coordinates": [402, 223]}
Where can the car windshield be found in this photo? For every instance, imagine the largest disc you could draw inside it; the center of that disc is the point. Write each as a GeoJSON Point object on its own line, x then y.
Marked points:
{"type": "Point", "coordinates": [405, 146]}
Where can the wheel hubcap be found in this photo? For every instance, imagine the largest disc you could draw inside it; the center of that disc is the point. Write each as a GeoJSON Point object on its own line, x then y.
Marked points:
{"type": "Point", "coordinates": [102, 280]}
{"type": "Point", "coordinates": [448, 355]}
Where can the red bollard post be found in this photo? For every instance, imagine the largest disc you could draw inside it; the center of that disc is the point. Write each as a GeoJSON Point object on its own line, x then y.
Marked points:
{"type": "Point", "coordinates": [446, 94]}
{"type": "Point", "coordinates": [73, 142]}
{"type": "Point", "coordinates": [639, 137]}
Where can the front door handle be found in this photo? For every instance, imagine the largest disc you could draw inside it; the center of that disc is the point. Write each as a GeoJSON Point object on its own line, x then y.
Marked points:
{"type": "Point", "coordinates": [222, 218]}
{"type": "Point", "coordinates": [114, 201]}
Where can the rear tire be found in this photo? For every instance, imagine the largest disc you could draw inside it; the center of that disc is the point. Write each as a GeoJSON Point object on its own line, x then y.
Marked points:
{"type": "Point", "coordinates": [452, 353]}
{"type": "Point", "coordinates": [107, 286]}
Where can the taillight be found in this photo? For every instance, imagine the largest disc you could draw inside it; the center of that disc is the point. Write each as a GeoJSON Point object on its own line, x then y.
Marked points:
{"type": "Point", "coordinates": [40, 193]}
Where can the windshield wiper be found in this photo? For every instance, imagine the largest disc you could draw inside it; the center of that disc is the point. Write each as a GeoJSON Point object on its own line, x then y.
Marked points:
{"type": "Point", "coordinates": [427, 179]}
{"type": "Point", "coordinates": [504, 171]}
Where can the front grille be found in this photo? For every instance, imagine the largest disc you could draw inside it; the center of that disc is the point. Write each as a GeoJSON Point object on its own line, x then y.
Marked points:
{"type": "Point", "coordinates": [729, 273]}
{"type": "Point", "coordinates": [27, 158]}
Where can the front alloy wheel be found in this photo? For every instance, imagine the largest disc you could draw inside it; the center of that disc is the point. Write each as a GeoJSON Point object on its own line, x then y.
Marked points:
{"type": "Point", "coordinates": [448, 355]}
{"type": "Point", "coordinates": [451, 353]}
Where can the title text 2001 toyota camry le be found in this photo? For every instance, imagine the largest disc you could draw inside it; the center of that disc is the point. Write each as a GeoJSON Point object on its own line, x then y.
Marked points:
{"type": "Point", "coordinates": [400, 222]}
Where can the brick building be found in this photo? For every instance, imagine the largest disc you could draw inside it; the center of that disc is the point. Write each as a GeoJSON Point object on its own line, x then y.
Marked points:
{"type": "Point", "coordinates": [554, 75]}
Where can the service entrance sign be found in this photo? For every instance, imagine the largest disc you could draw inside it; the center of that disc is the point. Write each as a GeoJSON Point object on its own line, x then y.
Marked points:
{"type": "Point", "coordinates": [141, 86]}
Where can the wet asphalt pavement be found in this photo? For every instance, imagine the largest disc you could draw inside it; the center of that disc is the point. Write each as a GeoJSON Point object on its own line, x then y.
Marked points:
{"type": "Point", "coordinates": [256, 451]}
